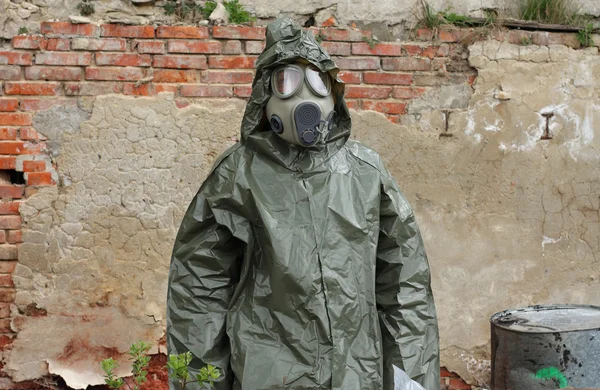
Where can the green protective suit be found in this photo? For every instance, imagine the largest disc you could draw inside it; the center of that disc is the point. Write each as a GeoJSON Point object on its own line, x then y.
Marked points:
{"type": "Point", "coordinates": [301, 268]}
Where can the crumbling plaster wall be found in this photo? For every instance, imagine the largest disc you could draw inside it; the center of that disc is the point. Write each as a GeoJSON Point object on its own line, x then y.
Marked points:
{"type": "Point", "coordinates": [377, 15]}
{"type": "Point", "coordinates": [508, 219]}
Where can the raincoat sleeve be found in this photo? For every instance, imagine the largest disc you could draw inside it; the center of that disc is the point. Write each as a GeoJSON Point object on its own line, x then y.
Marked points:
{"type": "Point", "coordinates": [202, 277]}
{"type": "Point", "coordinates": [404, 298]}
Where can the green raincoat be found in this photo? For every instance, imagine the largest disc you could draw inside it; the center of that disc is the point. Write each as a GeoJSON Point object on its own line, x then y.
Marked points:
{"type": "Point", "coordinates": [301, 268]}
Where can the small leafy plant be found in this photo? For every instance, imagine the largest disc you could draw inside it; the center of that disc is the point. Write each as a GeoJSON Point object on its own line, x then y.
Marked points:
{"type": "Point", "coordinates": [179, 371]}
{"type": "Point", "coordinates": [208, 9]}
{"type": "Point", "coordinates": [178, 364]}
{"type": "Point", "coordinates": [86, 8]}
{"type": "Point", "coordinates": [370, 41]}
{"type": "Point", "coordinates": [237, 13]}
{"type": "Point", "coordinates": [526, 41]}
{"type": "Point", "coordinates": [549, 11]}
{"type": "Point", "coordinates": [183, 8]}
{"type": "Point", "coordinates": [23, 30]}
{"type": "Point", "coordinates": [584, 36]}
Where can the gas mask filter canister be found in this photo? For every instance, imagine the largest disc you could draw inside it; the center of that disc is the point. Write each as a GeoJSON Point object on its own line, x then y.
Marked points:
{"type": "Point", "coordinates": [301, 107]}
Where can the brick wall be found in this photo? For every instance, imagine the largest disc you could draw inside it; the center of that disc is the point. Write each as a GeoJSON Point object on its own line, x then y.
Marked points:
{"type": "Point", "coordinates": [70, 61]}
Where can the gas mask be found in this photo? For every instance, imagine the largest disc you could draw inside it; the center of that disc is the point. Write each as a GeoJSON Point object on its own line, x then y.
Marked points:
{"type": "Point", "coordinates": [301, 107]}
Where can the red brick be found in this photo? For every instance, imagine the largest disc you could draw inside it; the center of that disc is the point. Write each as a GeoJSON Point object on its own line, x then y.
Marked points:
{"type": "Point", "coordinates": [150, 47]}
{"type": "Point", "coordinates": [386, 107]}
{"type": "Point", "coordinates": [231, 62]}
{"type": "Point", "coordinates": [406, 64]}
{"type": "Point", "coordinates": [242, 91]}
{"type": "Point", "coordinates": [359, 92]}
{"type": "Point", "coordinates": [13, 147]}
{"type": "Point", "coordinates": [361, 63]}
{"type": "Point", "coordinates": [123, 59]}
{"type": "Point", "coordinates": [52, 73]}
{"type": "Point", "coordinates": [2, 236]}
{"type": "Point", "coordinates": [148, 89]}
{"type": "Point", "coordinates": [34, 166]}
{"type": "Point", "coordinates": [14, 236]}
{"type": "Point", "coordinates": [10, 222]}
{"type": "Point", "coordinates": [337, 48]}
{"type": "Point", "coordinates": [92, 89]}
{"type": "Point", "coordinates": [254, 47]}
{"type": "Point", "coordinates": [239, 32]}
{"type": "Point", "coordinates": [228, 77]}
{"type": "Point", "coordinates": [6, 281]}
{"type": "Point", "coordinates": [42, 104]}
{"type": "Point", "coordinates": [407, 93]}
{"type": "Point", "coordinates": [8, 133]}
{"type": "Point", "coordinates": [180, 62]}
{"type": "Point", "coordinates": [182, 32]}
{"type": "Point", "coordinates": [412, 50]}
{"type": "Point", "coordinates": [174, 76]}
{"type": "Point", "coordinates": [27, 133]}
{"type": "Point", "coordinates": [114, 74]}
{"type": "Point", "coordinates": [394, 118]}
{"type": "Point", "coordinates": [39, 179]}
{"type": "Point", "coordinates": [388, 78]}
{"type": "Point", "coordinates": [350, 77]}
{"type": "Point", "coordinates": [15, 192]}
{"type": "Point", "coordinates": [24, 88]}
{"type": "Point", "coordinates": [9, 252]}
{"type": "Point", "coordinates": [9, 104]}
{"type": "Point", "coordinates": [58, 44]}
{"type": "Point", "coordinates": [4, 311]}
{"type": "Point", "coordinates": [330, 34]}
{"type": "Point", "coordinates": [10, 72]}
{"type": "Point", "coordinates": [67, 28]}
{"type": "Point", "coordinates": [458, 384]}
{"type": "Point", "coordinates": [430, 51]}
{"type": "Point", "coordinates": [5, 323]}
{"type": "Point", "coordinates": [424, 34]}
{"type": "Point", "coordinates": [380, 49]}
{"type": "Point", "coordinates": [443, 51]}
{"type": "Point", "coordinates": [231, 47]}
{"type": "Point", "coordinates": [7, 295]}
{"type": "Point", "coordinates": [15, 119]}
{"type": "Point", "coordinates": [7, 267]}
{"type": "Point", "coordinates": [197, 47]}
{"type": "Point", "coordinates": [31, 42]}
{"type": "Point", "coordinates": [7, 163]}
{"type": "Point", "coordinates": [330, 22]}
{"type": "Point", "coordinates": [15, 58]}
{"type": "Point", "coordinates": [95, 44]}
{"type": "Point", "coordinates": [119, 30]}
{"type": "Point", "coordinates": [66, 58]}
{"type": "Point", "coordinates": [206, 91]}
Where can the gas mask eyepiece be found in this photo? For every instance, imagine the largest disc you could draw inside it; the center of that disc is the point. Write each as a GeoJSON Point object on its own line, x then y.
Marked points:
{"type": "Point", "coordinates": [301, 108]}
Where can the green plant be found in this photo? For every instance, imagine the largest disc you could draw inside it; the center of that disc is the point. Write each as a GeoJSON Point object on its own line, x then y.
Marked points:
{"type": "Point", "coordinates": [319, 38]}
{"type": "Point", "coordinates": [108, 365]}
{"type": "Point", "coordinates": [237, 13]}
{"type": "Point", "coordinates": [183, 8]}
{"type": "Point", "coordinates": [23, 30]}
{"type": "Point", "coordinates": [86, 8]}
{"type": "Point", "coordinates": [370, 41]}
{"type": "Point", "coordinates": [432, 19]}
{"type": "Point", "coordinates": [525, 41]}
{"type": "Point", "coordinates": [584, 36]}
{"type": "Point", "coordinates": [139, 355]}
{"type": "Point", "coordinates": [208, 9]}
{"type": "Point", "coordinates": [178, 364]}
{"type": "Point", "coordinates": [549, 11]}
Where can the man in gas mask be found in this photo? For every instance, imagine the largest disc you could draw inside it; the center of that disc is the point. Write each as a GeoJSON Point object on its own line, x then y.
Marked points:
{"type": "Point", "coordinates": [299, 264]}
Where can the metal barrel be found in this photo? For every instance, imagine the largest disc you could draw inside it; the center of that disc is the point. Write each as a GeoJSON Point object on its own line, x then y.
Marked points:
{"type": "Point", "coordinates": [546, 347]}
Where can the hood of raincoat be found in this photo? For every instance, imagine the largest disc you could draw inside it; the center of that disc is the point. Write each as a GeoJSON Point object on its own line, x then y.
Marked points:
{"type": "Point", "coordinates": [301, 268]}
{"type": "Point", "coordinates": [286, 43]}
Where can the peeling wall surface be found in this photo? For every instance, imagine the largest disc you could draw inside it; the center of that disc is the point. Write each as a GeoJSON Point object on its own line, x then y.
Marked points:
{"type": "Point", "coordinates": [508, 219]}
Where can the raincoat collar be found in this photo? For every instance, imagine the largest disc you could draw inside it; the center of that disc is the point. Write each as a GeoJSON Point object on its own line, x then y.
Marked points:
{"type": "Point", "coordinates": [286, 42]}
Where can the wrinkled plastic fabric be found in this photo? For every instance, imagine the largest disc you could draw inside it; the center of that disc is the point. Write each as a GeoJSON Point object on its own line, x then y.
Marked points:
{"type": "Point", "coordinates": [301, 268]}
